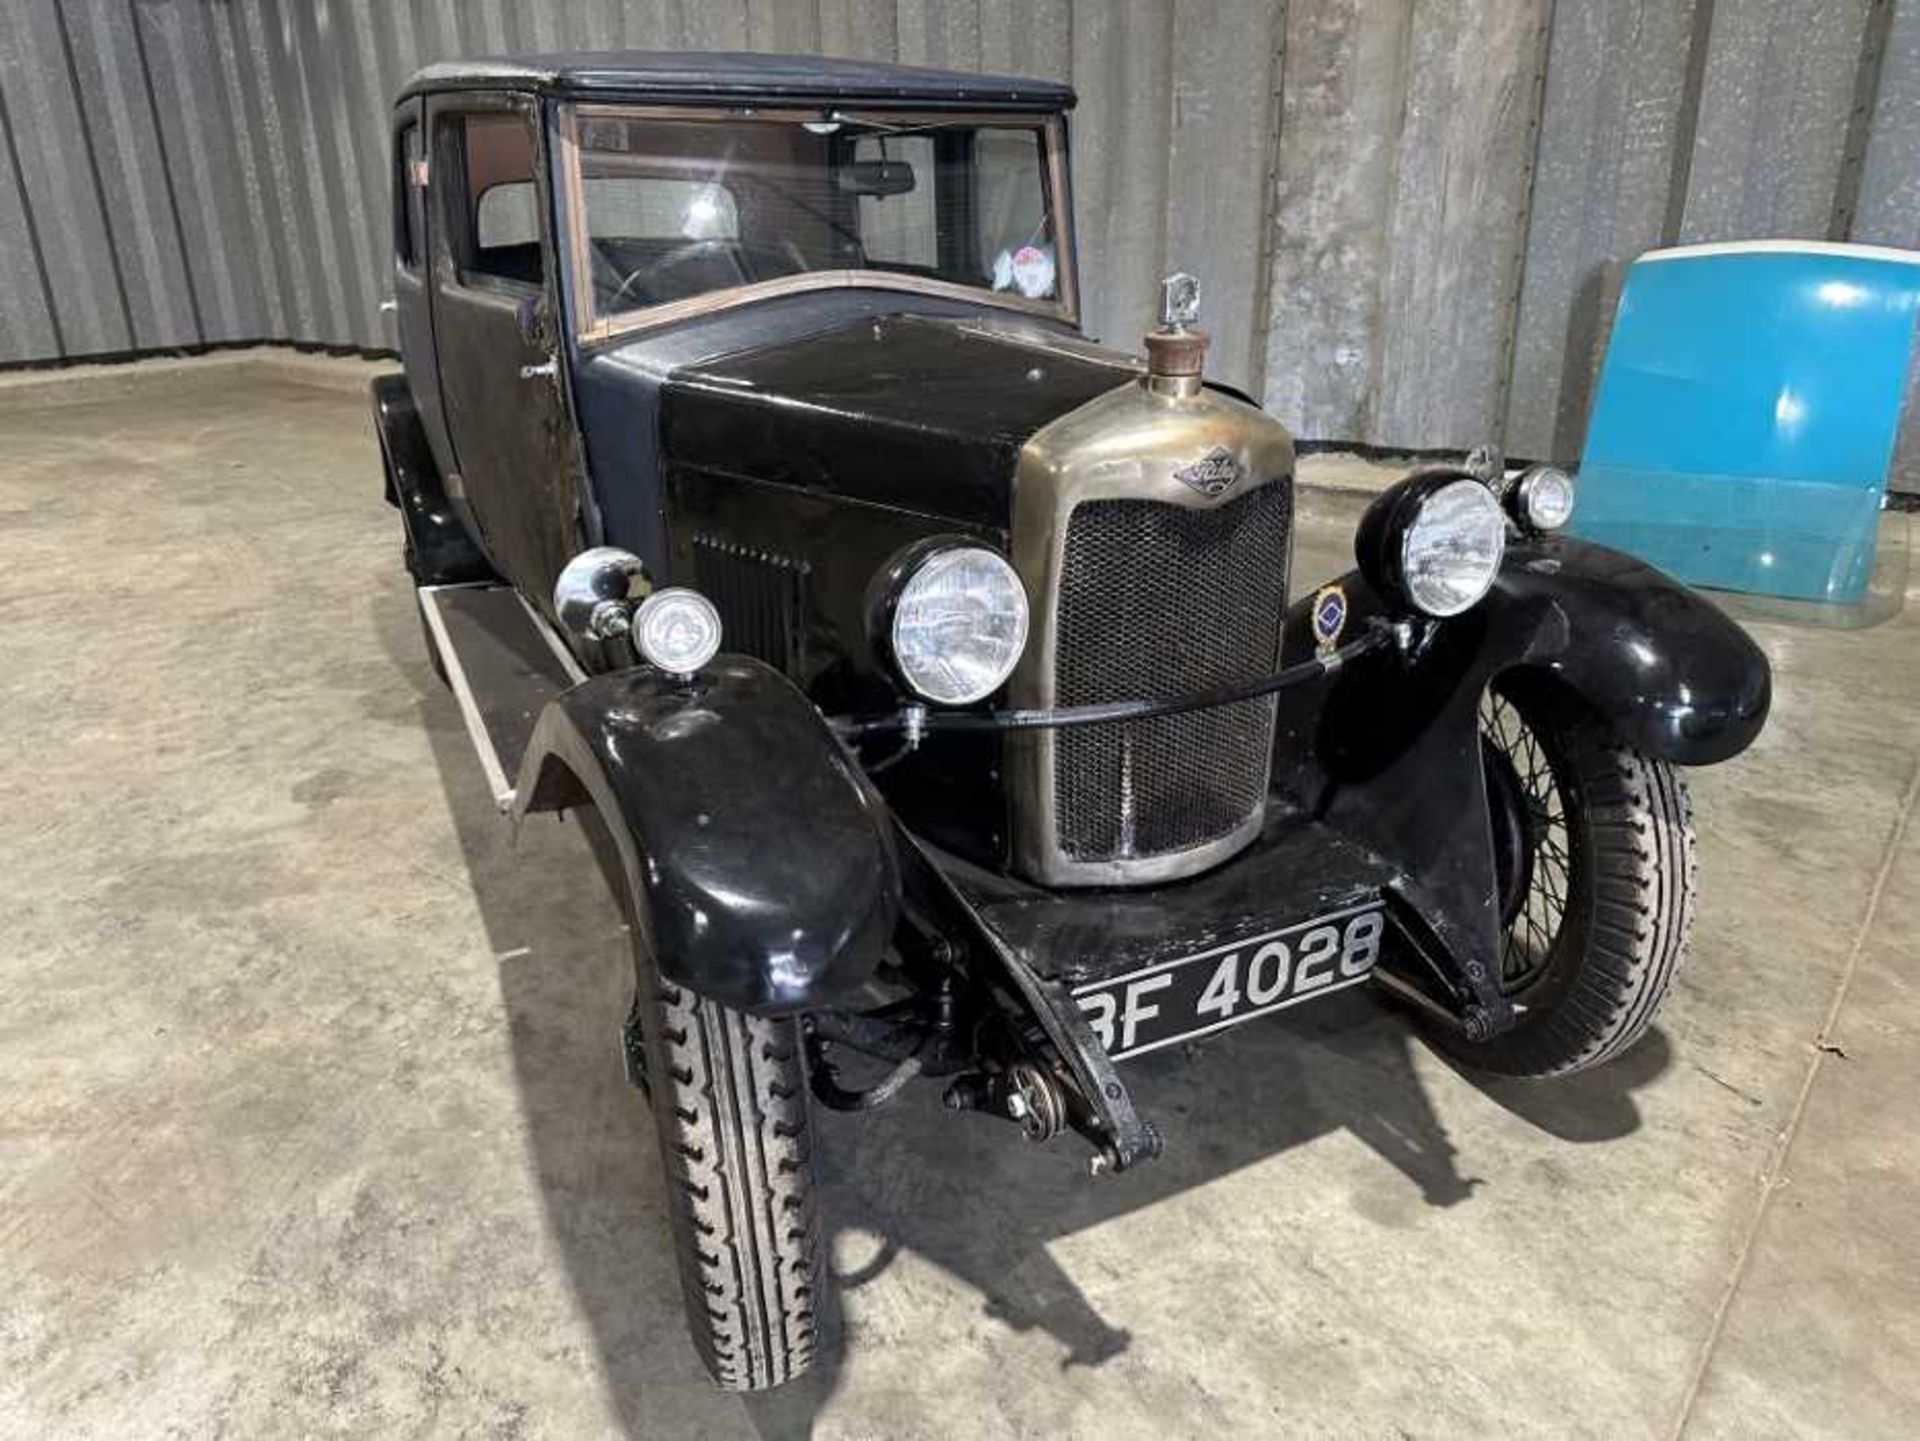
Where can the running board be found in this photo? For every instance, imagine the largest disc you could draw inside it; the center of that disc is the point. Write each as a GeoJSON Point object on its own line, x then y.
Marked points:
{"type": "Point", "coordinates": [504, 663]}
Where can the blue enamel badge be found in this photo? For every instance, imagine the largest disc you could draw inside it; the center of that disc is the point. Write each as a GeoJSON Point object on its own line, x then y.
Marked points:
{"type": "Point", "coordinates": [1329, 616]}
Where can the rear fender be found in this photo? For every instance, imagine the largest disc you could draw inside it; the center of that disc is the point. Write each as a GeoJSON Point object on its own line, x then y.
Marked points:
{"type": "Point", "coordinates": [761, 859]}
{"type": "Point", "coordinates": [439, 550]}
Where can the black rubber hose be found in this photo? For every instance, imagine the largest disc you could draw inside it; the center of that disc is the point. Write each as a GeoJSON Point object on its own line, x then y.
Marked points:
{"type": "Point", "coordinates": [828, 1091]}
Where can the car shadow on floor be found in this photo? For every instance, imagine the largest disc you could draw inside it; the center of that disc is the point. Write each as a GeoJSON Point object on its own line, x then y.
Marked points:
{"type": "Point", "coordinates": [964, 1193]}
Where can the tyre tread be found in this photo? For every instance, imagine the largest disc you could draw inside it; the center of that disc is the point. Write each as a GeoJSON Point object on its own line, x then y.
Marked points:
{"type": "Point", "coordinates": [1638, 925]}
{"type": "Point", "coordinates": [737, 1140]}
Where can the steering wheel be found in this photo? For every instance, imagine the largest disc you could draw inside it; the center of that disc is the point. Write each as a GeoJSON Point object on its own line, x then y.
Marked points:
{"type": "Point", "coordinates": [688, 254]}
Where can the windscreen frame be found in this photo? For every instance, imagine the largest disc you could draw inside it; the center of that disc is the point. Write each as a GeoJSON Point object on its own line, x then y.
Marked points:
{"type": "Point", "coordinates": [592, 327]}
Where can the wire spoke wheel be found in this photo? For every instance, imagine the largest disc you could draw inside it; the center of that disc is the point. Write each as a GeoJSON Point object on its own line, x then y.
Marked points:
{"type": "Point", "coordinates": [1535, 853]}
{"type": "Point", "coordinates": [1593, 872]}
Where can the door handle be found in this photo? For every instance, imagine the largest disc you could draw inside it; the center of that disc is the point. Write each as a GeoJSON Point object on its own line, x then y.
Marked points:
{"type": "Point", "coordinates": [545, 370]}
{"type": "Point", "coordinates": [389, 306]}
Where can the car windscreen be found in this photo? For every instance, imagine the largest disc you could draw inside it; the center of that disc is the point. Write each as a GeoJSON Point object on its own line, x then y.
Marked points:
{"type": "Point", "coordinates": [677, 208]}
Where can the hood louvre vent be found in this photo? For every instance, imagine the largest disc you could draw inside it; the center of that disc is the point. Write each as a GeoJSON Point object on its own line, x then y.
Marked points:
{"type": "Point", "coordinates": [761, 597]}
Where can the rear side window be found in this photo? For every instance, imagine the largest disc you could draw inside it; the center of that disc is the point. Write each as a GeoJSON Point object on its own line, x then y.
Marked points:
{"type": "Point", "coordinates": [502, 220]}
{"type": "Point", "coordinates": [408, 214]}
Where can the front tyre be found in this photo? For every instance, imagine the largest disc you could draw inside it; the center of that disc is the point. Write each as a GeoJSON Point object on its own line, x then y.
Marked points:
{"type": "Point", "coordinates": [730, 1100]}
{"type": "Point", "coordinates": [1594, 851]}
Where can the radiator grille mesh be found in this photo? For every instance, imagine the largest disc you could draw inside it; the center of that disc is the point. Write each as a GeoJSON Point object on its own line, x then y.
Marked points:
{"type": "Point", "coordinates": [1158, 601]}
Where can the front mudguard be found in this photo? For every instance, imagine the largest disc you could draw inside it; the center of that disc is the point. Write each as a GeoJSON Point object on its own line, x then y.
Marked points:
{"type": "Point", "coordinates": [761, 859]}
{"type": "Point", "coordinates": [1665, 667]}
{"type": "Point", "coordinates": [1659, 662]}
{"type": "Point", "coordinates": [1388, 749]}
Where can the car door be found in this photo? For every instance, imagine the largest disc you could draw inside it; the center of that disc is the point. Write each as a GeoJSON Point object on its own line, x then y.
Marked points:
{"type": "Point", "coordinates": [514, 467]}
{"type": "Point", "coordinates": [412, 305]}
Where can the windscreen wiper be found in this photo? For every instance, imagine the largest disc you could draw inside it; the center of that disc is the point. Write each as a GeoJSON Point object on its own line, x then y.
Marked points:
{"type": "Point", "coordinates": [838, 118]}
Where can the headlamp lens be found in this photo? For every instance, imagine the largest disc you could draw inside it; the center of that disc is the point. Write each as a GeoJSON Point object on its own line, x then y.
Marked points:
{"type": "Point", "coordinates": [677, 630]}
{"type": "Point", "coordinates": [959, 625]}
{"type": "Point", "coordinates": [1452, 548]}
{"type": "Point", "coordinates": [1546, 497]}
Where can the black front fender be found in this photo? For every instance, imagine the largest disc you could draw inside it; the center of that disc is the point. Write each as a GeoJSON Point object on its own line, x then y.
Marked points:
{"type": "Point", "coordinates": [1672, 675]}
{"type": "Point", "coordinates": [1659, 662]}
{"type": "Point", "coordinates": [1387, 749]}
{"type": "Point", "coordinates": [761, 859]}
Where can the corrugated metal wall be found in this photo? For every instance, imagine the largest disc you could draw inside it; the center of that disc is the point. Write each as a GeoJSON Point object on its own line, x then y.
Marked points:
{"type": "Point", "coordinates": [1411, 215]}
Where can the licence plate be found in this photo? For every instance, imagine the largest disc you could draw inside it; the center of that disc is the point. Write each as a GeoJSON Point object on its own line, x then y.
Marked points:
{"type": "Point", "coordinates": [1173, 1001]}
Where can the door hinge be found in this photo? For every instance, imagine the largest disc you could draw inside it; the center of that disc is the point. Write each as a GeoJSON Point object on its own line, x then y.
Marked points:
{"type": "Point", "coordinates": [546, 369]}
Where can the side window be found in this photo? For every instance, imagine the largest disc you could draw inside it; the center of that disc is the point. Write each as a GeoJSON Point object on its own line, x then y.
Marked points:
{"type": "Point", "coordinates": [500, 230]}
{"type": "Point", "coordinates": [409, 215]}
{"type": "Point", "coordinates": [504, 217]}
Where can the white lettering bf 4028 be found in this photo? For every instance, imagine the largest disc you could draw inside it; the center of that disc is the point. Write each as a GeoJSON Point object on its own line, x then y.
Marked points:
{"type": "Point", "coordinates": [1174, 1000]}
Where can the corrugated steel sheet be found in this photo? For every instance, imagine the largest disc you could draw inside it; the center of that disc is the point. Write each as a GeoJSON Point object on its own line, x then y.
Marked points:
{"type": "Point", "coordinates": [1412, 219]}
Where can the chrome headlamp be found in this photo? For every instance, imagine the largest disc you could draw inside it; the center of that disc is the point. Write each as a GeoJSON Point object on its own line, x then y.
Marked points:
{"type": "Point", "coordinates": [1541, 499]}
{"type": "Point", "coordinates": [596, 592]}
{"type": "Point", "coordinates": [952, 620]}
{"type": "Point", "coordinates": [677, 630]}
{"type": "Point", "coordinates": [605, 593]}
{"type": "Point", "coordinates": [1433, 543]}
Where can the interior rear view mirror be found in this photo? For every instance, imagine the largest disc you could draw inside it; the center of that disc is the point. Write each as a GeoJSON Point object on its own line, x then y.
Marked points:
{"type": "Point", "coordinates": [876, 177]}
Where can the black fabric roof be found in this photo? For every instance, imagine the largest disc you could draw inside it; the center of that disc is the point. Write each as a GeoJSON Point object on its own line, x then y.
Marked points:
{"type": "Point", "coordinates": [738, 75]}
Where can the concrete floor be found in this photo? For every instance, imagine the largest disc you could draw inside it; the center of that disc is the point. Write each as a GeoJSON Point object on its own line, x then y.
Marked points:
{"type": "Point", "coordinates": [311, 1120]}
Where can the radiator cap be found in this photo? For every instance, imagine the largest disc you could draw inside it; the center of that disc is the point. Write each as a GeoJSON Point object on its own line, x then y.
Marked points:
{"type": "Point", "coordinates": [1175, 348]}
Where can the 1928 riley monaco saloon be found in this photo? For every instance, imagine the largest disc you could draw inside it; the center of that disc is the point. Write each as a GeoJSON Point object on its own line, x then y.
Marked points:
{"type": "Point", "coordinates": [928, 676]}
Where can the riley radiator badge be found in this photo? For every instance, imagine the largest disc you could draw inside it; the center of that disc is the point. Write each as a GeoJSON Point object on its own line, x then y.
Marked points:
{"type": "Point", "coordinates": [1329, 617]}
{"type": "Point", "coordinates": [1214, 473]}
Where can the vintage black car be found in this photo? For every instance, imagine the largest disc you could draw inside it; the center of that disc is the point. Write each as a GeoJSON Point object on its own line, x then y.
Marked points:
{"type": "Point", "coordinates": [928, 676]}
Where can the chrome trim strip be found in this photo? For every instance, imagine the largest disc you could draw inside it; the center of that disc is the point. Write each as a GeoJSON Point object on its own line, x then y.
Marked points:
{"type": "Point", "coordinates": [497, 781]}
